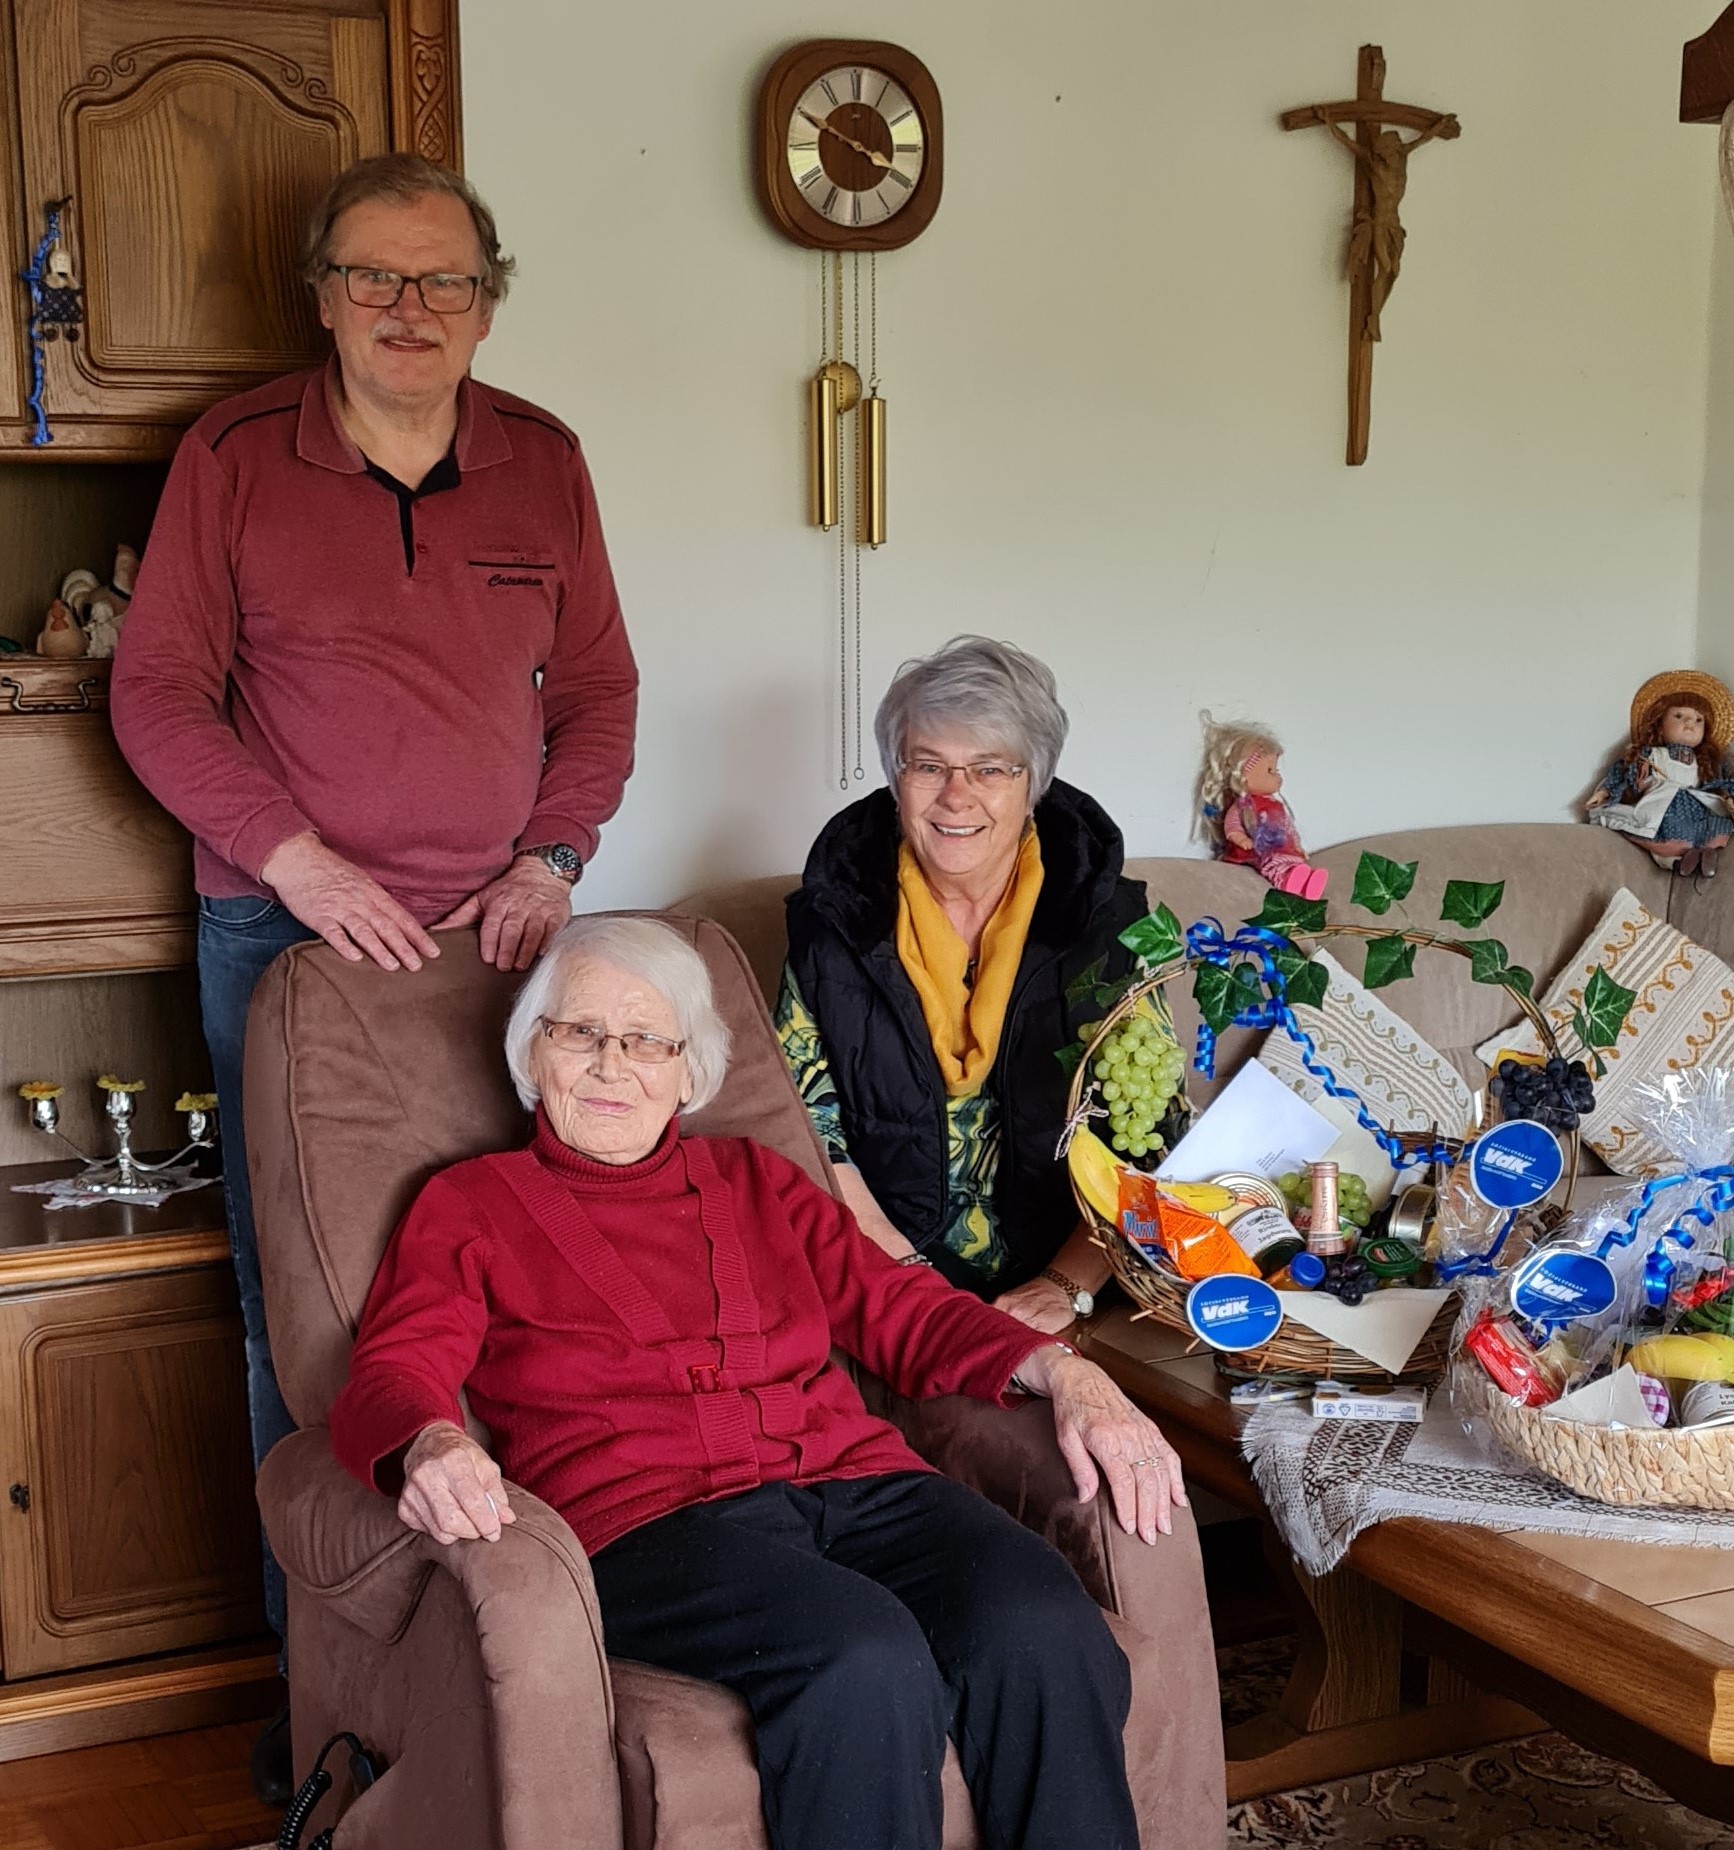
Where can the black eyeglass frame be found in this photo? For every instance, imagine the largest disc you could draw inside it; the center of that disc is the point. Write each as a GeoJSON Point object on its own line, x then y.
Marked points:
{"type": "Point", "coordinates": [346, 270]}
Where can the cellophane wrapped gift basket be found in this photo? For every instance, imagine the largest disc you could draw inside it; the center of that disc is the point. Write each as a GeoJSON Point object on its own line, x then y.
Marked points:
{"type": "Point", "coordinates": [1301, 1268]}
{"type": "Point", "coordinates": [1605, 1359]}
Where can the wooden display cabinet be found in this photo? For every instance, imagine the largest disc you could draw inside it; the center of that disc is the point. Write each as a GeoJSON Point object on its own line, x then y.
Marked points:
{"type": "Point", "coordinates": [129, 1555]}
{"type": "Point", "coordinates": [190, 139]}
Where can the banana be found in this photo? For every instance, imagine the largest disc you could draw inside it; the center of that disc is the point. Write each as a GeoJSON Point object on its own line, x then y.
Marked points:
{"type": "Point", "coordinates": [1206, 1197]}
{"type": "Point", "coordinates": [1095, 1174]}
{"type": "Point", "coordinates": [1685, 1358]}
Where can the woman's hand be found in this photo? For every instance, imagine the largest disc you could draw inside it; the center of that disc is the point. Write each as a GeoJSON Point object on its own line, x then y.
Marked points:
{"type": "Point", "coordinates": [452, 1490]}
{"type": "Point", "coordinates": [1104, 1436]}
{"type": "Point", "coordinates": [1041, 1304]}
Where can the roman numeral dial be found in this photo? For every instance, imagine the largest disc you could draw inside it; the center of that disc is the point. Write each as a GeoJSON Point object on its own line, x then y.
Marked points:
{"type": "Point", "coordinates": [856, 145]}
{"type": "Point", "coordinates": [850, 145]}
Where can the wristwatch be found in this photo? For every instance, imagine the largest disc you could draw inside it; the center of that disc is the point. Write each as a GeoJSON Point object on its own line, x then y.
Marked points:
{"type": "Point", "coordinates": [559, 859]}
{"type": "Point", "coordinates": [1083, 1302]}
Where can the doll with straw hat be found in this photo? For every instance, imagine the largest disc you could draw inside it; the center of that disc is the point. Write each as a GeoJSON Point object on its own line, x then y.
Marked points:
{"type": "Point", "coordinates": [1670, 788]}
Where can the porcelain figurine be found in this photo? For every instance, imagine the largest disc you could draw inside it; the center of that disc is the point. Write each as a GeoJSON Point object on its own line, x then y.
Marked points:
{"type": "Point", "coordinates": [1669, 790]}
{"type": "Point", "coordinates": [61, 636]}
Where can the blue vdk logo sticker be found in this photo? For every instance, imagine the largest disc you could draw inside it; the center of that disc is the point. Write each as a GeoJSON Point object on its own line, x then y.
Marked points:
{"type": "Point", "coordinates": [1561, 1285]}
{"type": "Point", "coordinates": [1233, 1311]}
{"type": "Point", "coordinates": [1514, 1165]}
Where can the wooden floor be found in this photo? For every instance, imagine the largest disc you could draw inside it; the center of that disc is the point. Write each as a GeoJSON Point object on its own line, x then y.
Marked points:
{"type": "Point", "coordinates": [177, 1792]}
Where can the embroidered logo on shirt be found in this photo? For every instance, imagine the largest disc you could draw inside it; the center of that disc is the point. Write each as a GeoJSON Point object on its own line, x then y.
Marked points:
{"type": "Point", "coordinates": [508, 566]}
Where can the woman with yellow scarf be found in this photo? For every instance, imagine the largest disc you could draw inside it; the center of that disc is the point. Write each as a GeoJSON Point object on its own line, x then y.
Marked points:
{"type": "Point", "coordinates": [935, 949]}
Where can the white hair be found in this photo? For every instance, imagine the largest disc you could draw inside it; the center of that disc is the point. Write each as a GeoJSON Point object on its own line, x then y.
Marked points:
{"type": "Point", "coordinates": [649, 950]}
{"type": "Point", "coordinates": [989, 688]}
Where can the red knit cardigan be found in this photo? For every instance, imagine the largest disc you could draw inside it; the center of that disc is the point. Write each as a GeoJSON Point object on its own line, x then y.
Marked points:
{"type": "Point", "coordinates": [643, 1337]}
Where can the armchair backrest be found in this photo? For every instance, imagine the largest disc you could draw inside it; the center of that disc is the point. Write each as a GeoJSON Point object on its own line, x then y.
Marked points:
{"type": "Point", "coordinates": [361, 1083]}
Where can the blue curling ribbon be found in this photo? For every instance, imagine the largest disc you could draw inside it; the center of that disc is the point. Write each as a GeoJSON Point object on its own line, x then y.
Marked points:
{"type": "Point", "coordinates": [1207, 942]}
{"type": "Point", "coordinates": [1716, 1195]}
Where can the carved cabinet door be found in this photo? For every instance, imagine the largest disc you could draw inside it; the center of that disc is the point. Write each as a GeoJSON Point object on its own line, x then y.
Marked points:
{"type": "Point", "coordinates": [190, 138]}
{"type": "Point", "coordinates": [127, 1522]}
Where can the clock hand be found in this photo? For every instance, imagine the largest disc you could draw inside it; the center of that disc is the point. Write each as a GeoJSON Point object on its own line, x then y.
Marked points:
{"type": "Point", "coordinates": [849, 141]}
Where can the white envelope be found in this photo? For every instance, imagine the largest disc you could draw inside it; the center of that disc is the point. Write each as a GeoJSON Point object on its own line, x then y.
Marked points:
{"type": "Point", "coordinates": [1255, 1125]}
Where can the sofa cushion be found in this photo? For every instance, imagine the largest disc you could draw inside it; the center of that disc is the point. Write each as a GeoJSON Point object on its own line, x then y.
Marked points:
{"type": "Point", "coordinates": [1683, 1018]}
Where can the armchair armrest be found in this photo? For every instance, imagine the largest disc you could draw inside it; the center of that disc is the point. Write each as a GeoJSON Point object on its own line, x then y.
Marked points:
{"type": "Point", "coordinates": [531, 1598]}
{"type": "Point", "coordinates": [1010, 1455]}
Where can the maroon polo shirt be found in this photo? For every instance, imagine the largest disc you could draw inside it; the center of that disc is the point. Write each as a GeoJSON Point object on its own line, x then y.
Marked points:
{"type": "Point", "coordinates": [430, 678]}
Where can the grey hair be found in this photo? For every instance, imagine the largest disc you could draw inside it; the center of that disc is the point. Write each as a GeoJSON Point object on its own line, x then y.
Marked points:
{"type": "Point", "coordinates": [650, 950]}
{"type": "Point", "coordinates": [980, 686]}
{"type": "Point", "coordinates": [401, 179]}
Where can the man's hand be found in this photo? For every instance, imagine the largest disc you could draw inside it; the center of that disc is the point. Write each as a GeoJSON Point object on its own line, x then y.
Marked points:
{"type": "Point", "coordinates": [1097, 1426]}
{"type": "Point", "coordinates": [519, 913]}
{"type": "Point", "coordinates": [452, 1490]}
{"type": "Point", "coordinates": [350, 910]}
{"type": "Point", "coordinates": [1041, 1304]}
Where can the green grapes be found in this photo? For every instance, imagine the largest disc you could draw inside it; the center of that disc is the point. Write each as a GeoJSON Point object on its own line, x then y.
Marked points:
{"type": "Point", "coordinates": [1354, 1208]}
{"type": "Point", "coordinates": [1139, 1069]}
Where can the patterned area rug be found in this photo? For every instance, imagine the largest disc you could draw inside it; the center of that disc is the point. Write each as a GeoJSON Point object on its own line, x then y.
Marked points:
{"type": "Point", "coordinates": [1543, 1793]}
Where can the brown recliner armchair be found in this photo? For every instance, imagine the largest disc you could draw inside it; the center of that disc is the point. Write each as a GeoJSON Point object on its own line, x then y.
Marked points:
{"type": "Point", "coordinates": [477, 1671]}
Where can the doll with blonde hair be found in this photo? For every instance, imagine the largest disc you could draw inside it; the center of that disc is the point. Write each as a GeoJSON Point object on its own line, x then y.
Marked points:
{"type": "Point", "coordinates": [1243, 814]}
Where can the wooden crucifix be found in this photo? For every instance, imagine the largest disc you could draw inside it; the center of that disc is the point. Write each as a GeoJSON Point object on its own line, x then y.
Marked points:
{"type": "Point", "coordinates": [1376, 232]}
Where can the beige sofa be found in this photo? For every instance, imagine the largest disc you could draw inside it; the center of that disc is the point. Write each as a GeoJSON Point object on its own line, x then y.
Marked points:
{"type": "Point", "coordinates": [1558, 876]}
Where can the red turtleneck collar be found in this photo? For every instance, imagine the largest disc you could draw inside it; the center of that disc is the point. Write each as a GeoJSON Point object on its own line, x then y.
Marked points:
{"type": "Point", "coordinates": [585, 1172]}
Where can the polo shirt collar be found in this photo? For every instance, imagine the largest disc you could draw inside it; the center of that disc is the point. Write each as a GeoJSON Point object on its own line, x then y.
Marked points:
{"type": "Point", "coordinates": [321, 439]}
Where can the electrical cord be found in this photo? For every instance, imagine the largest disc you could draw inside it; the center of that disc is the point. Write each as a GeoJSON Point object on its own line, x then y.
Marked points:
{"type": "Point", "coordinates": [364, 1769]}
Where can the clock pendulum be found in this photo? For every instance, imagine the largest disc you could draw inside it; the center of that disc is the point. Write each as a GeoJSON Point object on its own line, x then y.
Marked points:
{"type": "Point", "coordinates": [850, 163]}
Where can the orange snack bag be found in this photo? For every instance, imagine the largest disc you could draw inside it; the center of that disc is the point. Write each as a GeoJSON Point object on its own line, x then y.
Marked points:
{"type": "Point", "coordinates": [1196, 1245]}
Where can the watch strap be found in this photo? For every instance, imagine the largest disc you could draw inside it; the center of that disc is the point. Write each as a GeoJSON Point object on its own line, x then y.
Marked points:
{"type": "Point", "coordinates": [1069, 1286]}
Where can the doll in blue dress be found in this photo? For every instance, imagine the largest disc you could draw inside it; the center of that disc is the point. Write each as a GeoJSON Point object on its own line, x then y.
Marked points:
{"type": "Point", "coordinates": [1669, 790]}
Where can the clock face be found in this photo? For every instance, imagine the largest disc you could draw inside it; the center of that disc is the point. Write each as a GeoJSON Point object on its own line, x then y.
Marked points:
{"type": "Point", "coordinates": [856, 146]}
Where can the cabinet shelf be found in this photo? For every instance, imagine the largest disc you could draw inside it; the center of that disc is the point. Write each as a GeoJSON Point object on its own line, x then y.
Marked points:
{"type": "Point", "coordinates": [41, 1246]}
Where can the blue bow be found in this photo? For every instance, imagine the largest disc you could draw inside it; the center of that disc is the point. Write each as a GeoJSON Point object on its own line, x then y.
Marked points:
{"type": "Point", "coordinates": [1207, 942]}
{"type": "Point", "coordinates": [1716, 1186]}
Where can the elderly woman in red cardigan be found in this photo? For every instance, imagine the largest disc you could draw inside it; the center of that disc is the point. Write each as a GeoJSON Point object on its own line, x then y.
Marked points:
{"type": "Point", "coordinates": [644, 1321]}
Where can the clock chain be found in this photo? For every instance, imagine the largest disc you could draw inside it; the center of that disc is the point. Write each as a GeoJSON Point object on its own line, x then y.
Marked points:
{"type": "Point", "coordinates": [855, 503]}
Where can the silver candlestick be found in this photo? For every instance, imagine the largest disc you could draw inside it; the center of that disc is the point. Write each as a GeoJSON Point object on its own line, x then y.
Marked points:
{"type": "Point", "coordinates": [123, 1175]}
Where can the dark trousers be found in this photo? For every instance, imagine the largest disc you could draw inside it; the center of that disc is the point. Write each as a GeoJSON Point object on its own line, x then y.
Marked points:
{"type": "Point", "coordinates": [863, 1622]}
{"type": "Point", "coordinates": [238, 940]}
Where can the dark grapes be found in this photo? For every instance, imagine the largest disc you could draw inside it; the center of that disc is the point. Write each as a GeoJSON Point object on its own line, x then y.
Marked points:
{"type": "Point", "coordinates": [1559, 1095]}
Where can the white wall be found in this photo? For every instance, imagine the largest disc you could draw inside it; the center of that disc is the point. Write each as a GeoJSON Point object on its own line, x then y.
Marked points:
{"type": "Point", "coordinates": [1115, 371]}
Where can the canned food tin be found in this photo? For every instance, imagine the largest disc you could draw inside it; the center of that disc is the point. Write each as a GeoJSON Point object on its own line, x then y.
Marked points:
{"type": "Point", "coordinates": [1708, 1403]}
{"type": "Point", "coordinates": [1412, 1214]}
{"type": "Point", "coordinates": [1250, 1191]}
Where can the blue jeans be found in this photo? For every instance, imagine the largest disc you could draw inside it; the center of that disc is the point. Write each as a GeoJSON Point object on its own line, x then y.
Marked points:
{"type": "Point", "coordinates": [238, 940]}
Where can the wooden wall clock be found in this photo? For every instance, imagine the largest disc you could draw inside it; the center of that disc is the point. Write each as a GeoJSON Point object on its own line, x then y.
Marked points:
{"type": "Point", "coordinates": [851, 160]}
{"type": "Point", "coordinates": [851, 145]}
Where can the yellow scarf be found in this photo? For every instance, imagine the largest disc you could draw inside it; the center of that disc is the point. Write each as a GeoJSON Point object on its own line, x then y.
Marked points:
{"type": "Point", "coordinates": [964, 1022]}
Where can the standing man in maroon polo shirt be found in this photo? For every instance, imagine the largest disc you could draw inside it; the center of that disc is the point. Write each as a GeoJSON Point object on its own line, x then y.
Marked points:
{"type": "Point", "coordinates": [375, 661]}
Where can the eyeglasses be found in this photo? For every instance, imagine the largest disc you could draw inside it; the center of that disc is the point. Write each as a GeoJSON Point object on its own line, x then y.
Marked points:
{"type": "Point", "coordinates": [987, 777]}
{"type": "Point", "coordinates": [588, 1037]}
{"type": "Point", "coordinates": [441, 292]}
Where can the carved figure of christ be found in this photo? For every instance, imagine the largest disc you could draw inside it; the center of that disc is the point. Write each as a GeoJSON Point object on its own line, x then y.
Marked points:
{"type": "Point", "coordinates": [1376, 235]}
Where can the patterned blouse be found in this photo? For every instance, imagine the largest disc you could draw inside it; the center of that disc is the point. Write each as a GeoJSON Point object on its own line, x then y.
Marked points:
{"type": "Point", "coordinates": [973, 1136]}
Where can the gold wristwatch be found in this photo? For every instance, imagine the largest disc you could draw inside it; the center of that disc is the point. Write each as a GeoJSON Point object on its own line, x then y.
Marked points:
{"type": "Point", "coordinates": [1083, 1302]}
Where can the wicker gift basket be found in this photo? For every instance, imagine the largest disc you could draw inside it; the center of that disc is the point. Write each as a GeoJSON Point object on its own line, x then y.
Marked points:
{"type": "Point", "coordinates": [1675, 1468]}
{"type": "Point", "coordinates": [1294, 1349]}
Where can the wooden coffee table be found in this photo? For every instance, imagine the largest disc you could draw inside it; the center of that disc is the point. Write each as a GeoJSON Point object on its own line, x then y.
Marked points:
{"type": "Point", "coordinates": [1436, 1637]}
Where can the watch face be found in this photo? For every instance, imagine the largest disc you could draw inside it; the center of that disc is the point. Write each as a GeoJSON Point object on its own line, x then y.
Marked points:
{"type": "Point", "coordinates": [856, 146]}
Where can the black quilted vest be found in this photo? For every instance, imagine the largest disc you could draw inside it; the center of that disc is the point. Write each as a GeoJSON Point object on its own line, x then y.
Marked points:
{"type": "Point", "coordinates": [842, 949]}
